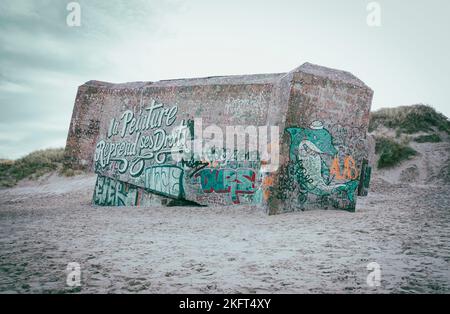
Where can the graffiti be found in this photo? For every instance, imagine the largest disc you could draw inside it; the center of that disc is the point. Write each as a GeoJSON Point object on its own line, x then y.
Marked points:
{"type": "Point", "coordinates": [130, 154]}
{"type": "Point", "coordinates": [110, 192]}
{"type": "Point", "coordinates": [231, 177]}
{"type": "Point", "coordinates": [138, 148]}
{"type": "Point", "coordinates": [364, 182]}
{"type": "Point", "coordinates": [308, 149]}
{"type": "Point", "coordinates": [350, 139]}
{"type": "Point", "coordinates": [231, 181]}
{"type": "Point", "coordinates": [291, 186]}
{"type": "Point", "coordinates": [267, 184]}
{"type": "Point", "coordinates": [242, 143]}
{"type": "Point", "coordinates": [350, 172]}
{"type": "Point", "coordinates": [166, 180]}
{"type": "Point", "coordinates": [194, 165]}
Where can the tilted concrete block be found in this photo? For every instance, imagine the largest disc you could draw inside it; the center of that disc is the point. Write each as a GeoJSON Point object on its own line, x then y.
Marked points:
{"type": "Point", "coordinates": [301, 140]}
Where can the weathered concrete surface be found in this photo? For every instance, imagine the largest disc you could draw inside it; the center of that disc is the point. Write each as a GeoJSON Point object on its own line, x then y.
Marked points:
{"type": "Point", "coordinates": [322, 115]}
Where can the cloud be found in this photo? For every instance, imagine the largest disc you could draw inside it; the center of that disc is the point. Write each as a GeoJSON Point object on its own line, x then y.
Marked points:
{"type": "Point", "coordinates": [43, 61]}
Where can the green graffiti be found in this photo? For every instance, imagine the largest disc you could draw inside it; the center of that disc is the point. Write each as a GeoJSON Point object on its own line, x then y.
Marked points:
{"type": "Point", "coordinates": [165, 180]}
{"type": "Point", "coordinates": [231, 181]}
{"type": "Point", "coordinates": [364, 181]}
{"type": "Point", "coordinates": [307, 149]}
{"type": "Point", "coordinates": [111, 192]}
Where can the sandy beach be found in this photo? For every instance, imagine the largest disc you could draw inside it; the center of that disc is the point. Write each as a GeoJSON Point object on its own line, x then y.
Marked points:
{"type": "Point", "coordinates": [46, 224]}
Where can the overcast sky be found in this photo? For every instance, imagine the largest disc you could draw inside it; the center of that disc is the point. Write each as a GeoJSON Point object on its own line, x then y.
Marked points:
{"type": "Point", "coordinates": [43, 61]}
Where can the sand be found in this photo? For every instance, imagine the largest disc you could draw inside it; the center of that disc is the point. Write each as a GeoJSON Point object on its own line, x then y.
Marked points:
{"type": "Point", "coordinates": [46, 224]}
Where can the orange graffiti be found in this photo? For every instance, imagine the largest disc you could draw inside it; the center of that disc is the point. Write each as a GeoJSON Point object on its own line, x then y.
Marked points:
{"type": "Point", "coordinates": [350, 169]}
{"type": "Point", "coordinates": [350, 172]}
{"type": "Point", "coordinates": [267, 182]}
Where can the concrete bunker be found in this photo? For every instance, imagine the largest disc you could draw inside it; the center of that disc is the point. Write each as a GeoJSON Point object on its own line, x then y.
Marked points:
{"type": "Point", "coordinates": [282, 142]}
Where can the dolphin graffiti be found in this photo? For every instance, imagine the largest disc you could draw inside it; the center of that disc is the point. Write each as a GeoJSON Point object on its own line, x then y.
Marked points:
{"type": "Point", "coordinates": [308, 145]}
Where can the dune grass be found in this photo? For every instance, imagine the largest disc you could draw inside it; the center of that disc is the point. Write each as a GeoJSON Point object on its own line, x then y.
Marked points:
{"type": "Point", "coordinates": [31, 166]}
{"type": "Point", "coordinates": [392, 153]}
{"type": "Point", "coordinates": [428, 138]}
{"type": "Point", "coordinates": [406, 120]}
{"type": "Point", "coordinates": [410, 119]}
